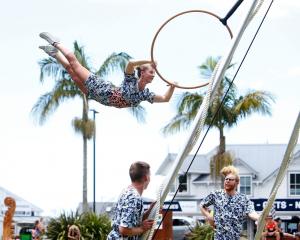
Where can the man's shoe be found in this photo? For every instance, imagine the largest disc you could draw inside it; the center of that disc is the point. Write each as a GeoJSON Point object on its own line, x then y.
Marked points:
{"type": "Point", "coordinates": [49, 38]}
{"type": "Point", "coordinates": [50, 50]}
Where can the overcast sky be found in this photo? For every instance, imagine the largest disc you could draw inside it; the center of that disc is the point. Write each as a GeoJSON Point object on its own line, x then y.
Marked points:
{"type": "Point", "coordinates": [43, 164]}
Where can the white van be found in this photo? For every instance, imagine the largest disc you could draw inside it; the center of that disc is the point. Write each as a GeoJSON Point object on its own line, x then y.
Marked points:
{"type": "Point", "coordinates": [182, 226]}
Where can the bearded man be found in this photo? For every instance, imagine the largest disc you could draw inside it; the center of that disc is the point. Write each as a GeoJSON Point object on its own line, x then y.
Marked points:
{"type": "Point", "coordinates": [230, 208]}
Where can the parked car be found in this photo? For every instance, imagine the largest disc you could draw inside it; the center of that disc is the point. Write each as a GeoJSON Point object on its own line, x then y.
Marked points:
{"type": "Point", "coordinates": [182, 226]}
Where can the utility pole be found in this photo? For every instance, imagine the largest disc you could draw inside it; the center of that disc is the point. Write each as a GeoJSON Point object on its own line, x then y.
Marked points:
{"type": "Point", "coordinates": [94, 161]}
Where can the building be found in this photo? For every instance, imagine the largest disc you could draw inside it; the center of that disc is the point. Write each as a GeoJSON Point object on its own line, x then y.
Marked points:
{"type": "Point", "coordinates": [258, 165]}
{"type": "Point", "coordinates": [100, 208]}
{"type": "Point", "coordinates": [25, 214]}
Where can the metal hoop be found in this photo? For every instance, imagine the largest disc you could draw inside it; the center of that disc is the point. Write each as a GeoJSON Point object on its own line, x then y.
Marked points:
{"type": "Point", "coordinates": [159, 30]}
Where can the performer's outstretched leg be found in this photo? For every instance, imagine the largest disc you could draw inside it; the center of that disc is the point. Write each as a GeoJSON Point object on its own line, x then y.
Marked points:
{"type": "Point", "coordinates": [67, 58]}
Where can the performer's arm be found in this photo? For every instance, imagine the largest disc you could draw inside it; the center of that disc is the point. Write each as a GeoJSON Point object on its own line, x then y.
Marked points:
{"type": "Point", "coordinates": [205, 211]}
{"type": "Point", "coordinates": [166, 97]}
{"type": "Point", "coordinates": [134, 231]}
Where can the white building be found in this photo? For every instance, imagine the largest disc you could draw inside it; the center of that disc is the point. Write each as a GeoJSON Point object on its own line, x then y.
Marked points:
{"type": "Point", "coordinates": [25, 214]}
{"type": "Point", "coordinates": [258, 165]}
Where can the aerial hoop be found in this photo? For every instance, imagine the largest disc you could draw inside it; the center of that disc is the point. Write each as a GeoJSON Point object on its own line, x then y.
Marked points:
{"type": "Point", "coordinates": [163, 25]}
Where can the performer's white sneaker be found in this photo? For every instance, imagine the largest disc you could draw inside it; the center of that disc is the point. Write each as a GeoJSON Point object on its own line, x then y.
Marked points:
{"type": "Point", "coordinates": [49, 38]}
{"type": "Point", "coordinates": [50, 50]}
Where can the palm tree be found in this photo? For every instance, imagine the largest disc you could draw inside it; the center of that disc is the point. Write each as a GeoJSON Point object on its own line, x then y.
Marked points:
{"type": "Point", "coordinates": [233, 109]}
{"type": "Point", "coordinates": [65, 88]}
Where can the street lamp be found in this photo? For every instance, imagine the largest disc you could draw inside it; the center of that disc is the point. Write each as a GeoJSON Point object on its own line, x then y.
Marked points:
{"type": "Point", "coordinates": [94, 161]}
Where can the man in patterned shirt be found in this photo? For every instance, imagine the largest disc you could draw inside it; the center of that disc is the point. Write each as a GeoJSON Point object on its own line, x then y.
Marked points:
{"type": "Point", "coordinates": [132, 90]}
{"type": "Point", "coordinates": [230, 208]}
{"type": "Point", "coordinates": [130, 221]}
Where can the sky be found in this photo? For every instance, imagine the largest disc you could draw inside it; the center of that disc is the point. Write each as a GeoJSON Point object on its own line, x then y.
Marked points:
{"type": "Point", "coordinates": [43, 164]}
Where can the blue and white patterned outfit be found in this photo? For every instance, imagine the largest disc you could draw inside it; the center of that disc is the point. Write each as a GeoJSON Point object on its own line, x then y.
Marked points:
{"type": "Point", "coordinates": [127, 95]}
{"type": "Point", "coordinates": [128, 213]}
{"type": "Point", "coordinates": [229, 213]}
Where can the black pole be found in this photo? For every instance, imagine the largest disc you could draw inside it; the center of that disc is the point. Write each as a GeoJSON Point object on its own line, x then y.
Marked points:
{"type": "Point", "coordinates": [94, 161]}
{"type": "Point", "coordinates": [231, 11]}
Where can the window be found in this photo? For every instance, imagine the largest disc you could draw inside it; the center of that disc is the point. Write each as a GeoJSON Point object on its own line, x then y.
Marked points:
{"type": "Point", "coordinates": [246, 185]}
{"type": "Point", "coordinates": [180, 182]}
{"type": "Point", "coordinates": [294, 184]}
{"type": "Point", "coordinates": [180, 222]}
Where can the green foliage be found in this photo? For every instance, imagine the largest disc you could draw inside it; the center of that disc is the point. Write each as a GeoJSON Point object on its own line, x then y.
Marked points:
{"type": "Point", "coordinates": [58, 227]}
{"type": "Point", "coordinates": [92, 226]}
{"type": "Point", "coordinates": [84, 127]}
{"type": "Point", "coordinates": [201, 232]}
{"type": "Point", "coordinates": [95, 226]}
{"type": "Point", "coordinates": [234, 108]}
{"type": "Point", "coordinates": [219, 161]}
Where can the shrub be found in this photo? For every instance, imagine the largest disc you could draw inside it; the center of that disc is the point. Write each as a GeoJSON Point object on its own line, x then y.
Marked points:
{"type": "Point", "coordinates": [201, 232]}
{"type": "Point", "coordinates": [92, 226]}
{"type": "Point", "coordinates": [58, 227]}
{"type": "Point", "coordinates": [95, 226]}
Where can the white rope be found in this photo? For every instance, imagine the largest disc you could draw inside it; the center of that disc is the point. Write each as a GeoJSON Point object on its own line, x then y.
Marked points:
{"type": "Point", "coordinates": [258, 6]}
{"type": "Point", "coordinates": [154, 213]}
{"type": "Point", "coordinates": [205, 104]}
{"type": "Point", "coordinates": [199, 126]}
{"type": "Point", "coordinates": [288, 156]}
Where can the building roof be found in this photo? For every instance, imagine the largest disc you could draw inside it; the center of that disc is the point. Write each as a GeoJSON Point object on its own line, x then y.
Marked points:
{"type": "Point", "coordinates": [21, 204]}
{"type": "Point", "coordinates": [259, 159]}
{"type": "Point", "coordinates": [200, 164]}
{"type": "Point", "coordinates": [264, 158]}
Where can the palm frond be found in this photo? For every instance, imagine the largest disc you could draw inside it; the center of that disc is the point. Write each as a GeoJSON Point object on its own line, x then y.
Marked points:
{"type": "Point", "coordinates": [188, 105]}
{"type": "Point", "coordinates": [189, 102]}
{"type": "Point", "coordinates": [49, 67]}
{"type": "Point", "coordinates": [207, 68]}
{"type": "Point", "coordinates": [42, 108]}
{"type": "Point", "coordinates": [218, 161]}
{"type": "Point", "coordinates": [255, 102]}
{"type": "Point", "coordinates": [85, 127]}
{"type": "Point", "coordinates": [81, 56]}
{"type": "Point", "coordinates": [176, 124]}
{"type": "Point", "coordinates": [49, 102]}
{"type": "Point", "coordinates": [113, 62]}
{"type": "Point", "coordinates": [139, 113]}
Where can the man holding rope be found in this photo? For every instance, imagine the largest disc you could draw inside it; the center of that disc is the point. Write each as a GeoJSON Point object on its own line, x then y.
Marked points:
{"type": "Point", "coordinates": [130, 220]}
{"type": "Point", "coordinates": [230, 207]}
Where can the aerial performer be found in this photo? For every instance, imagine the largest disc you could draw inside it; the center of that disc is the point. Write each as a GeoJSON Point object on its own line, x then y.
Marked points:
{"type": "Point", "coordinates": [130, 93]}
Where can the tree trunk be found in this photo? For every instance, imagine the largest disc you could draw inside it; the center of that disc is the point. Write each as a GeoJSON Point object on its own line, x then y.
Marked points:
{"type": "Point", "coordinates": [222, 146]}
{"type": "Point", "coordinates": [220, 160]}
{"type": "Point", "coordinates": [85, 207]}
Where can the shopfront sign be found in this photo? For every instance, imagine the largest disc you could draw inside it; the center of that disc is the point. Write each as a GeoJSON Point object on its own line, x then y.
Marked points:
{"type": "Point", "coordinates": [280, 204]}
{"type": "Point", "coordinates": [170, 206]}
